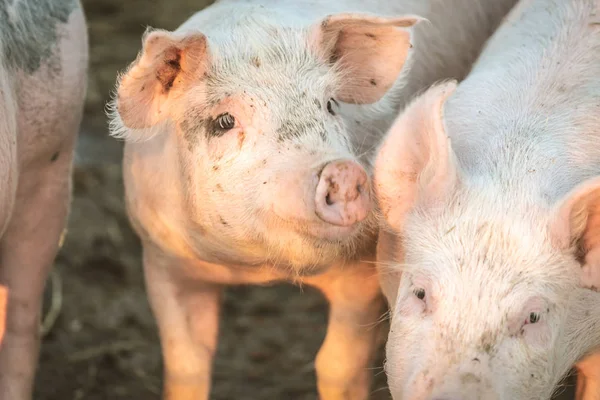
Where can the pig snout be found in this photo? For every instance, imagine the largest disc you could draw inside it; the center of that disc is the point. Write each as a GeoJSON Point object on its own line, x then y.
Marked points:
{"type": "Point", "coordinates": [343, 194]}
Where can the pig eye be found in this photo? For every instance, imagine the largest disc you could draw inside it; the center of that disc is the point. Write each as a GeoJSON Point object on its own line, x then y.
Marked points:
{"type": "Point", "coordinates": [225, 122]}
{"type": "Point", "coordinates": [330, 104]}
{"type": "Point", "coordinates": [420, 293]}
{"type": "Point", "coordinates": [533, 318]}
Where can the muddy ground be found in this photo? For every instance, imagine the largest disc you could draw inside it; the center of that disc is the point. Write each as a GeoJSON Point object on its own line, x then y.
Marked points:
{"type": "Point", "coordinates": [104, 344]}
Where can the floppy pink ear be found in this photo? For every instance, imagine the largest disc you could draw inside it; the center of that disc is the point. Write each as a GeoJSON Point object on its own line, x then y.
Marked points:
{"type": "Point", "coordinates": [370, 50]}
{"type": "Point", "coordinates": [167, 65]}
{"type": "Point", "coordinates": [415, 161]}
{"type": "Point", "coordinates": [576, 224]}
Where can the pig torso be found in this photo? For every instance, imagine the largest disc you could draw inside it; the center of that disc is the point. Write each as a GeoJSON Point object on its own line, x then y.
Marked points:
{"type": "Point", "coordinates": [445, 47]}
{"type": "Point", "coordinates": [539, 128]}
{"type": "Point", "coordinates": [32, 78]}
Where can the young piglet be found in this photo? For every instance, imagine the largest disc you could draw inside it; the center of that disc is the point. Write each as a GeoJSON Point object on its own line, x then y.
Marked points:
{"type": "Point", "coordinates": [490, 247]}
{"type": "Point", "coordinates": [247, 131]}
{"type": "Point", "coordinates": [43, 68]}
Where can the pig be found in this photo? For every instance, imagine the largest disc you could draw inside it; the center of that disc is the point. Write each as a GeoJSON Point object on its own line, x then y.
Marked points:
{"type": "Point", "coordinates": [247, 134]}
{"type": "Point", "coordinates": [489, 192]}
{"type": "Point", "coordinates": [43, 67]}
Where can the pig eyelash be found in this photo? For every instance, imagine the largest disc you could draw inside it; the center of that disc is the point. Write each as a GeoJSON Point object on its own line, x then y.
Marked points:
{"type": "Point", "coordinates": [225, 122]}
{"type": "Point", "coordinates": [533, 318]}
{"type": "Point", "coordinates": [420, 293]}
{"type": "Point", "coordinates": [330, 103]}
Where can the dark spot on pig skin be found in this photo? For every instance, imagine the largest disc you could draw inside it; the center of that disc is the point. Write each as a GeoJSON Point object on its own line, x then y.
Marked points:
{"type": "Point", "coordinates": [317, 103]}
{"type": "Point", "coordinates": [219, 187]}
{"type": "Point", "coordinates": [27, 49]}
{"type": "Point", "coordinates": [370, 35]}
{"type": "Point", "coordinates": [199, 229]}
{"type": "Point", "coordinates": [289, 129]}
{"type": "Point", "coordinates": [215, 167]}
{"type": "Point", "coordinates": [373, 82]}
{"type": "Point", "coordinates": [194, 123]}
{"type": "Point", "coordinates": [223, 222]}
{"type": "Point", "coordinates": [256, 62]}
{"type": "Point", "coordinates": [167, 72]}
{"type": "Point", "coordinates": [190, 126]}
{"type": "Point", "coordinates": [466, 379]}
{"type": "Point", "coordinates": [55, 156]}
{"type": "Point", "coordinates": [241, 138]}
{"type": "Point", "coordinates": [487, 341]}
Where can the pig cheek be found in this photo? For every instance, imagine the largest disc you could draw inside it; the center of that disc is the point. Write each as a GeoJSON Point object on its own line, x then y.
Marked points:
{"type": "Point", "coordinates": [411, 307]}
{"type": "Point", "coordinates": [539, 335]}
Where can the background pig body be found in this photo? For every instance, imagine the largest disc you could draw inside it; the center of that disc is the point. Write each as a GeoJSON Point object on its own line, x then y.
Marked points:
{"type": "Point", "coordinates": [248, 131]}
{"type": "Point", "coordinates": [497, 228]}
{"type": "Point", "coordinates": [43, 64]}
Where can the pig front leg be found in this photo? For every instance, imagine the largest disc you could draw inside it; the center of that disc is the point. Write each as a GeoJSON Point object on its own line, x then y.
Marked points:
{"type": "Point", "coordinates": [27, 251]}
{"type": "Point", "coordinates": [588, 378]}
{"type": "Point", "coordinates": [356, 306]}
{"type": "Point", "coordinates": [187, 313]}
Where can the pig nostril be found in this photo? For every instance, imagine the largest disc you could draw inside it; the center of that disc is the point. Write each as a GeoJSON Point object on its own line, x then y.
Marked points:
{"type": "Point", "coordinates": [328, 200]}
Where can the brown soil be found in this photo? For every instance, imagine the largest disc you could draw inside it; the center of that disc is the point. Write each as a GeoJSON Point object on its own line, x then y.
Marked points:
{"type": "Point", "coordinates": [104, 344]}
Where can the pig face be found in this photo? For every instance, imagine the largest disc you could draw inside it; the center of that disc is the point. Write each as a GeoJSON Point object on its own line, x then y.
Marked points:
{"type": "Point", "coordinates": [485, 285]}
{"type": "Point", "coordinates": [267, 171]}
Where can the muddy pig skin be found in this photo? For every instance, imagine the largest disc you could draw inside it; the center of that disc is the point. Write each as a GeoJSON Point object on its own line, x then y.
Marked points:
{"type": "Point", "coordinates": [490, 247]}
{"type": "Point", "coordinates": [247, 133]}
{"type": "Point", "coordinates": [43, 68]}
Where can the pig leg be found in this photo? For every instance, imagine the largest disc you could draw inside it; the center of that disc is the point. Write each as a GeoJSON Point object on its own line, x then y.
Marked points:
{"type": "Point", "coordinates": [27, 251]}
{"type": "Point", "coordinates": [3, 298]}
{"type": "Point", "coordinates": [356, 306]}
{"type": "Point", "coordinates": [588, 378]}
{"type": "Point", "coordinates": [187, 314]}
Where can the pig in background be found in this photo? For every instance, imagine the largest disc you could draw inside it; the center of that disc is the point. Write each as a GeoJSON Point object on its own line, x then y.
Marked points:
{"type": "Point", "coordinates": [247, 133]}
{"type": "Point", "coordinates": [43, 65]}
{"type": "Point", "coordinates": [491, 198]}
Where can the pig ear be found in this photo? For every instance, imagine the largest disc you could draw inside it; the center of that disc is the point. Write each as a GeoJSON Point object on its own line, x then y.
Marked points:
{"type": "Point", "coordinates": [576, 225]}
{"type": "Point", "coordinates": [415, 160]}
{"type": "Point", "coordinates": [167, 65]}
{"type": "Point", "coordinates": [370, 52]}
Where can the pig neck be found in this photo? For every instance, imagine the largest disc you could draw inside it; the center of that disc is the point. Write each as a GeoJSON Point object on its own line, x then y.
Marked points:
{"type": "Point", "coordinates": [527, 119]}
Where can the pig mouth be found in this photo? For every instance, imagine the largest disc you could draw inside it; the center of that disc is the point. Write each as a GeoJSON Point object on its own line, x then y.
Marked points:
{"type": "Point", "coordinates": [321, 231]}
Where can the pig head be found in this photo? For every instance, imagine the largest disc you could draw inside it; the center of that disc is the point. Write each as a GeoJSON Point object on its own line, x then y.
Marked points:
{"type": "Point", "coordinates": [246, 136]}
{"type": "Point", "coordinates": [490, 290]}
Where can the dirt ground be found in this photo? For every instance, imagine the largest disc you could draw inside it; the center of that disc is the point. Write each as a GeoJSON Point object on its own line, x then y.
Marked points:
{"type": "Point", "coordinates": [104, 344]}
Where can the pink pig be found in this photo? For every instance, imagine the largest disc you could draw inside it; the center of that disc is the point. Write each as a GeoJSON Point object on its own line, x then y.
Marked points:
{"type": "Point", "coordinates": [491, 236]}
{"type": "Point", "coordinates": [248, 131]}
{"type": "Point", "coordinates": [43, 68]}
